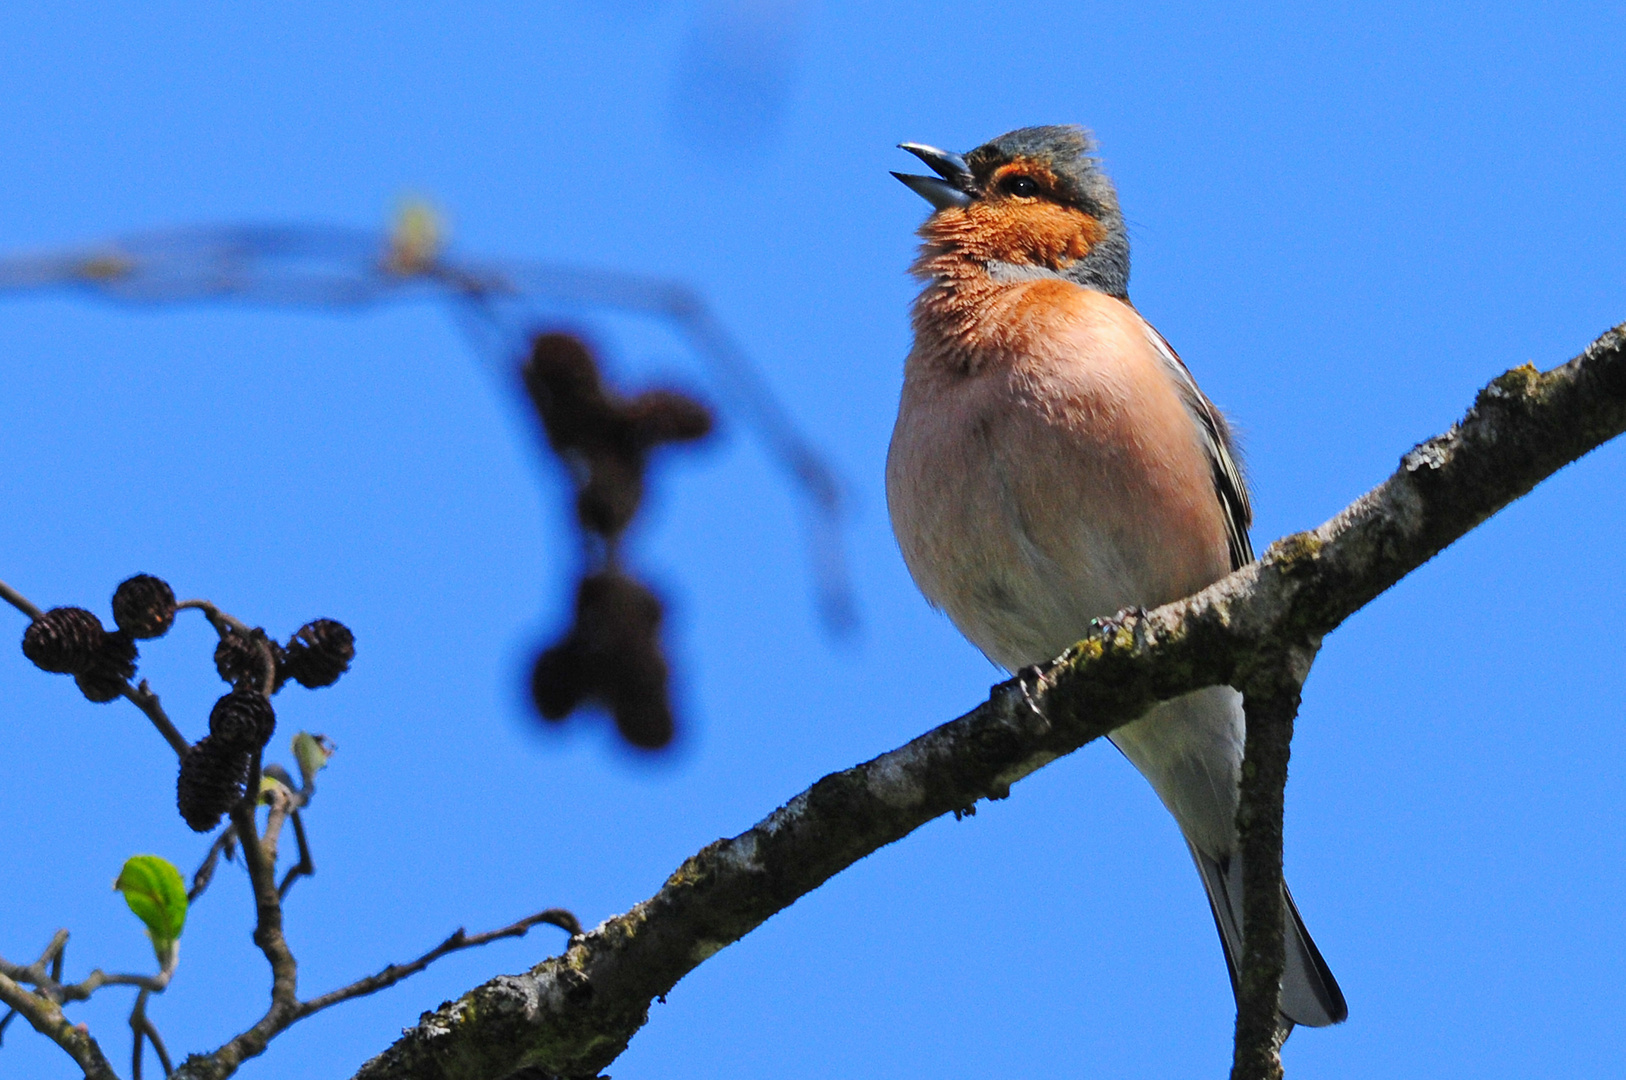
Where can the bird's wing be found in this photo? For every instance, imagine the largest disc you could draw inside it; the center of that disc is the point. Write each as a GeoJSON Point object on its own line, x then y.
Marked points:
{"type": "Point", "coordinates": [1229, 485]}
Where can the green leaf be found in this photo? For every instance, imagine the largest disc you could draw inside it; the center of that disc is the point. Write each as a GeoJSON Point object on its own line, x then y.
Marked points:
{"type": "Point", "coordinates": [312, 753]}
{"type": "Point", "coordinates": [155, 892]}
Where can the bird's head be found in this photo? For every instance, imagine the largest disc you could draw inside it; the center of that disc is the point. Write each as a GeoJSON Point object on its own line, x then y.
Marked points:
{"type": "Point", "coordinates": [1032, 203]}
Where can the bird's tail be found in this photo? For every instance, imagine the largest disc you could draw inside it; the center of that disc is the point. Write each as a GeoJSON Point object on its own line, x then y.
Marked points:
{"type": "Point", "coordinates": [1310, 995]}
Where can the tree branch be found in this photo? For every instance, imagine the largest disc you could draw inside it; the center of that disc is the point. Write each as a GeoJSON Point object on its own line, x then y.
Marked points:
{"type": "Point", "coordinates": [268, 936]}
{"type": "Point", "coordinates": [46, 1017]}
{"type": "Point", "coordinates": [1270, 699]}
{"type": "Point", "coordinates": [573, 1014]}
{"type": "Point", "coordinates": [146, 700]}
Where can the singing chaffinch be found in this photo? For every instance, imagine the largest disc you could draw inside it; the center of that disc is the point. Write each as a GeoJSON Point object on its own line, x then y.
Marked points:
{"type": "Point", "coordinates": [1054, 462]}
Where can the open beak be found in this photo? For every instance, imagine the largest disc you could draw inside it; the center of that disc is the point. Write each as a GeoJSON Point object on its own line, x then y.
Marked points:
{"type": "Point", "coordinates": [950, 187]}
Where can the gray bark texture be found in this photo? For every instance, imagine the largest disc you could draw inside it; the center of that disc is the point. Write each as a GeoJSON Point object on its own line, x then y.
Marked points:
{"type": "Point", "coordinates": [572, 1014]}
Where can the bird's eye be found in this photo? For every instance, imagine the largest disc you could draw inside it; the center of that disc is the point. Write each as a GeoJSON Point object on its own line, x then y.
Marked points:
{"type": "Point", "coordinates": [1023, 187]}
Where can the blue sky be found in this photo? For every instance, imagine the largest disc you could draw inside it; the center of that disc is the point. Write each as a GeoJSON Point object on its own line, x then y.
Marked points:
{"type": "Point", "coordinates": [1346, 219]}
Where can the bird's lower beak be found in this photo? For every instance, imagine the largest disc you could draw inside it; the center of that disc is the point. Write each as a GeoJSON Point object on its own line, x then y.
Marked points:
{"type": "Point", "coordinates": [951, 186]}
{"type": "Point", "coordinates": [940, 193]}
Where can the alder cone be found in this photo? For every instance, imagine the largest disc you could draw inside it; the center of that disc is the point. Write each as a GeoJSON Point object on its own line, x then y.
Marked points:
{"type": "Point", "coordinates": [318, 653]}
{"type": "Point", "coordinates": [243, 720]}
{"type": "Point", "coordinates": [563, 381]}
{"type": "Point", "coordinates": [558, 681]}
{"type": "Point", "coordinates": [64, 640]}
{"type": "Point", "coordinates": [638, 701]}
{"type": "Point", "coordinates": [111, 668]}
{"type": "Point", "coordinates": [612, 655]}
{"type": "Point", "coordinates": [659, 416]}
{"type": "Point", "coordinates": [240, 661]}
{"type": "Point", "coordinates": [210, 783]}
{"type": "Point", "coordinates": [144, 606]}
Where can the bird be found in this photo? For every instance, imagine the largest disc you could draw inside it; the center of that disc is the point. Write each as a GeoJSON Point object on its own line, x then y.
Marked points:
{"type": "Point", "coordinates": [1054, 462]}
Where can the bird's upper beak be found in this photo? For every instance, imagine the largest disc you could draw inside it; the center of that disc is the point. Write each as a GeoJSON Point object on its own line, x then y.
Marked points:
{"type": "Point", "coordinates": [954, 187]}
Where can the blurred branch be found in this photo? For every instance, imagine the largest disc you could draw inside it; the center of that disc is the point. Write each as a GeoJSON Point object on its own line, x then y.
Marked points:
{"type": "Point", "coordinates": [573, 1014]}
{"type": "Point", "coordinates": [499, 304]}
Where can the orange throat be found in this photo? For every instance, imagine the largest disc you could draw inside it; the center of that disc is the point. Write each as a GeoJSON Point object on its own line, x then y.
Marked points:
{"type": "Point", "coordinates": [964, 309]}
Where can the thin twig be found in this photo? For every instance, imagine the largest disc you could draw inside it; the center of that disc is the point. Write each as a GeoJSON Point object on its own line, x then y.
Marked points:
{"type": "Point", "coordinates": [53, 953]}
{"type": "Point", "coordinates": [158, 1045]}
{"type": "Point", "coordinates": [143, 696]}
{"type": "Point", "coordinates": [142, 1027]}
{"type": "Point", "coordinates": [49, 985]}
{"type": "Point", "coordinates": [11, 1014]}
{"type": "Point", "coordinates": [138, 1033]}
{"type": "Point", "coordinates": [206, 869]}
{"type": "Point", "coordinates": [82, 990]}
{"type": "Point", "coordinates": [305, 867]}
{"type": "Point", "coordinates": [19, 601]}
{"type": "Point", "coordinates": [458, 941]}
{"type": "Point", "coordinates": [223, 622]}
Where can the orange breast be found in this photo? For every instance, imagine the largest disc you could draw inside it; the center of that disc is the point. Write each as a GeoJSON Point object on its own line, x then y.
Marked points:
{"type": "Point", "coordinates": [1044, 470]}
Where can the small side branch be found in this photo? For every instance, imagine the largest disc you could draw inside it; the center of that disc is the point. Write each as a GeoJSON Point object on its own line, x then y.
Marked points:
{"type": "Point", "coordinates": [456, 943]}
{"type": "Point", "coordinates": [142, 1027]}
{"type": "Point", "coordinates": [142, 696]}
{"type": "Point", "coordinates": [305, 867]}
{"type": "Point", "coordinates": [225, 1061]}
{"type": "Point", "coordinates": [19, 601]}
{"type": "Point", "coordinates": [223, 622]}
{"type": "Point", "coordinates": [206, 869]}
